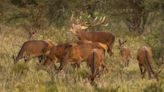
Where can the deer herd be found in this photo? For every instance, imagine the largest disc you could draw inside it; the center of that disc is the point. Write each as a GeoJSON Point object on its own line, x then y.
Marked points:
{"type": "Point", "coordinates": [91, 48]}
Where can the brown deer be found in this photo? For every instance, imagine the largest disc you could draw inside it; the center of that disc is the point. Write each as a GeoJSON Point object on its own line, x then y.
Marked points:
{"type": "Point", "coordinates": [125, 53]}
{"type": "Point", "coordinates": [96, 62]}
{"type": "Point", "coordinates": [145, 58]}
{"type": "Point", "coordinates": [57, 53]}
{"type": "Point", "coordinates": [33, 48]}
{"type": "Point", "coordinates": [80, 52]}
{"type": "Point", "coordinates": [107, 38]}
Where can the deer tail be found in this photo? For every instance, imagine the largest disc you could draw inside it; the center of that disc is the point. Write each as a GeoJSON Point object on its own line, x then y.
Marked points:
{"type": "Point", "coordinates": [93, 65]}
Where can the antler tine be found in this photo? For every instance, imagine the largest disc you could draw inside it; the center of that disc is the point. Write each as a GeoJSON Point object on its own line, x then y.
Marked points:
{"type": "Point", "coordinates": [103, 19]}
{"type": "Point", "coordinates": [98, 21]}
{"type": "Point", "coordinates": [72, 17]}
{"type": "Point", "coordinates": [95, 19]}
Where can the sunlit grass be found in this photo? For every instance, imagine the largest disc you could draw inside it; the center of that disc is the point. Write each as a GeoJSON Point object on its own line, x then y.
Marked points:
{"type": "Point", "coordinates": [32, 77]}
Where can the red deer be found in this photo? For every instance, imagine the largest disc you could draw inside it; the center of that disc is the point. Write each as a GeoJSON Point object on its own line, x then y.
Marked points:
{"type": "Point", "coordinates": [107, 38]}
{"type": "Point", "coordinates": [96, 62]}
{"type": "Point", "coordinates": [57, 53]}
{"type": "Point", "coordinates": [33, 48]}
{"type": "Point", "coordinates": [80, 52]}
{"type": "Point", "coordinates": [125, 53]}
{"type": "Point", "coordinates": [145, 58]}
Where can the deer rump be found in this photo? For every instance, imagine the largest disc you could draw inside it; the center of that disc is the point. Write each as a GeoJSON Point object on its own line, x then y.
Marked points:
{"type": "Point", "coordinates": [96, 62]}
{"type": "Point", "coordinates": [31, 49]}
{"type": "Point", "coordinates": [103, 37]}
{"type": "Point", "coordinates": [144, 58]}
{"type": "Point", "coordinates": [85, 52]}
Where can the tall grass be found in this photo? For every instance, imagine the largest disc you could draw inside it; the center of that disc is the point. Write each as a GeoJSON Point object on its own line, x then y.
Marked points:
{"type": "Point", "coordinates": [32, 77]}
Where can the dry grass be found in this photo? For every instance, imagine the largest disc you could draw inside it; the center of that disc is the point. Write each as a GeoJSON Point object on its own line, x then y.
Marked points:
{"type": "Point", "coordinates": [31, 77]}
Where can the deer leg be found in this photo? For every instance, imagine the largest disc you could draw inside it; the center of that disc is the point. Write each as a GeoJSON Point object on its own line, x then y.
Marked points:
{"type": "Point", "coordinates": [128, 62]}
{"type": "Point", "coordinates": [148, 71]}
{"type": "Point", "coordinates": [63, 65]}
{"type": "Point", "coordinates": [104, 68]}
{"type": "Point", "coordinates": [110, 49]}
{"type": "Point", "coordinates": [149, 74]}
{"type": "Point", "coordinates": [141, 70]}
{"type": "Point", "coordinates": [123, 62]}
{"type": "Point", "coordinates": [42, 58]}
{"type": "Point", "coordinates": [76, 65]}
{"type": "Point", "coordinates": [155, 75]}
{"type": "Point", "coordinates": [143, 73]}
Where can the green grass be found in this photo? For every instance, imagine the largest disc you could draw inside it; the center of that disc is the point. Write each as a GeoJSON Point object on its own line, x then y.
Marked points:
{"type": "Point", "coordinates": [32, 77]}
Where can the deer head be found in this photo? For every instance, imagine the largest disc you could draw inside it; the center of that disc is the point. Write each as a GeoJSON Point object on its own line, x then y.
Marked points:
{"type": "Point", "coordinates": [14, 58]}
{"type": "Point", "coordinates": [121, 44]}
{"type": "Point", "coordinates": [79, 25]}
{"type": "Point", "coordinates": [31, 34]}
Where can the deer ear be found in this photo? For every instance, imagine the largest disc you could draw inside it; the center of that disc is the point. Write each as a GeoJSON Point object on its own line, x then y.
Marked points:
{"type": "Point", "coordinates": [119, 41]}
{"type": "Point", "coordinates": [84, 27]}
{"type": "Point", "coordinates": [124, 41]}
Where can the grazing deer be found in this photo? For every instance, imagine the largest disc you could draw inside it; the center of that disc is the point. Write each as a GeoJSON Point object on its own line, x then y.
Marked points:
{"type": "Point", "coordinates": [145, 58]}
{"type": "Point", "coordinates": [57, 53]}
{"type": "Point", "coordinates": [125, 53]}
{"type": "Point", "coordinates": [33, 48]}
{"type": "Point", "coordinates": [103, 37]}
{"type": "Point", "coordinates": [96, 62]}
{"type": "Point", "coordinates": [80, 52]}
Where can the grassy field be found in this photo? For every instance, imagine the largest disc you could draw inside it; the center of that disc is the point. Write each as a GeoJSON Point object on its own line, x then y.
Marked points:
{"type": "Point", "coordinates": [33, 77]}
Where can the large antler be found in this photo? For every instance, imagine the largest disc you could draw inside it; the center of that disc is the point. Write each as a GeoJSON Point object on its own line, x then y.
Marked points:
{"type": "Point", "coordinates": [98, 21]}
{"type": "Point", "coordinates": [79, 24]}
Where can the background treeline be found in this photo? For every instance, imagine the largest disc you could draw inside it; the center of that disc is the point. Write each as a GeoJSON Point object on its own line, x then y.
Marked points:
{"type": "Point", "coordinates": [143, 18]}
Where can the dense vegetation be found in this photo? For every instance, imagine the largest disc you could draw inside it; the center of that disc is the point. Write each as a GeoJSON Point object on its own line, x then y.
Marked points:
{"type": "Point", "coordinates": [138, 21]}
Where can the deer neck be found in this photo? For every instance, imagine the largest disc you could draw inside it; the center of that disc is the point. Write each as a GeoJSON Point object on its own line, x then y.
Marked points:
{"type": "Point", "coordinates": [79, 33]}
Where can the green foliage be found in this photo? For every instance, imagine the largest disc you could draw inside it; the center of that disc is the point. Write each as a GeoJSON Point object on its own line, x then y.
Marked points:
{"type": "Point", "coordinates": [155, 87]}
{"type": "Point", "coordinates": [156, 41]}
{"type": "Point", "coordinates": [51, 18]}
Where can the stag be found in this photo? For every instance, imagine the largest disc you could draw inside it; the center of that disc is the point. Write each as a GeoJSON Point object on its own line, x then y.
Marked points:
{"type": "Point", "coordinates": [33, 48]}
{"type": "Point", "coordinates": [107, 38]}
{"type": "Point", "coordinates": [145, 58]}
{"type": "Point", "coordinates": [125, 53]}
